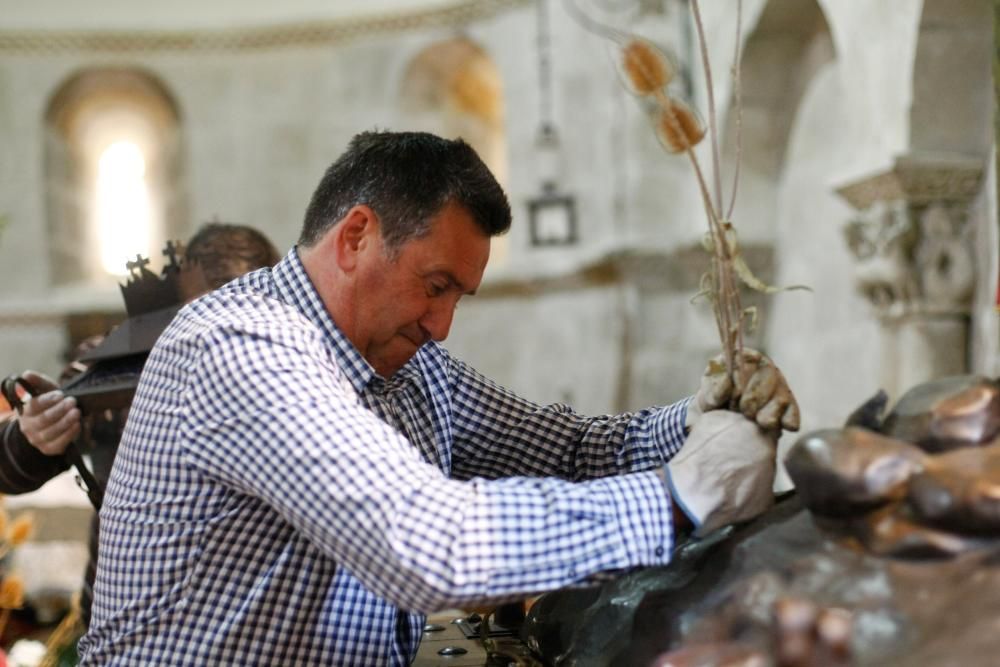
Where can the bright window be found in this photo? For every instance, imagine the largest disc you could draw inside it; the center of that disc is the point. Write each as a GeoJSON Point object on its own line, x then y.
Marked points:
{"type": "Point", "coordinates": [123, 208]}
{"type": "Point", "coordinates": [113, 187]}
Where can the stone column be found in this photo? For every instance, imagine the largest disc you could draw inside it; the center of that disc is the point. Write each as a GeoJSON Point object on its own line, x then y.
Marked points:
{"type": "Point", "coordinates": [912, 242]}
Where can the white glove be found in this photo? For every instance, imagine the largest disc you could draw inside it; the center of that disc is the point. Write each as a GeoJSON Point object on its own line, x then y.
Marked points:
{"type": "Point", "coordinates": [724, 473]}
{"type": "Point", "coordinates": [765, 398]}
{"type": "Point", "coordinates": [51, 420]}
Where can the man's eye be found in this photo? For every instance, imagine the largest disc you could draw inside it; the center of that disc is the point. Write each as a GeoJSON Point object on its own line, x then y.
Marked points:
{"type": "Point", "coordinates": [434, 289]}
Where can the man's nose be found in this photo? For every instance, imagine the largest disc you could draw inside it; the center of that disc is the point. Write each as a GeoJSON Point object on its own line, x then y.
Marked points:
{"type": "Point", "coordinates": [437, 320]}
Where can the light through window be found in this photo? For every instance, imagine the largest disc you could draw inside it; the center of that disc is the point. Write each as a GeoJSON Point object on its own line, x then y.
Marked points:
{"type": "Point", "coordinates": [113, 175]}
{"type": "Point", "coordinates": [123, 206]}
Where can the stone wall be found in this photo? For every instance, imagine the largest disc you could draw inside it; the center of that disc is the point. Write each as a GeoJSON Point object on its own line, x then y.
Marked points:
{"type": "Point", "coordinates": [832, 102]}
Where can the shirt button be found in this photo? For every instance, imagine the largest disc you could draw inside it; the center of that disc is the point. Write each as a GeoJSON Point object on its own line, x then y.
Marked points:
{"type": "Point", "coordinates": [659, 551]}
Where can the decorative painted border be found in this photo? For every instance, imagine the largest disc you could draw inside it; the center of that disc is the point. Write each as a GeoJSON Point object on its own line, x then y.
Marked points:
{"type": "Point", "coordinates": [314, 33]}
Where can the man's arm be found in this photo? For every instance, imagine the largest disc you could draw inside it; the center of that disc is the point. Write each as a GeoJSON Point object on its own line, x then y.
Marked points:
{"type": "Point", "coordinates": [24, 468]}
{"type": "Point", "coordinates": [31, 443]}
{"type": "Point", "coordinates": [722, 474]}
{"type": "Point", "coordinates": [499, 434]}
{"type": "Point", "coordinates": [358, 491]}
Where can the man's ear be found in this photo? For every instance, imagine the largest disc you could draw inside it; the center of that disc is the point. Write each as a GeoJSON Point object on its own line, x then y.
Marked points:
{"type": "Point", "coordinates": [356, 233]}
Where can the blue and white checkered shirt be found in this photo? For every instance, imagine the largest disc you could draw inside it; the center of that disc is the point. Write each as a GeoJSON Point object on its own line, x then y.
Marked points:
{"type": "Point", "coordinates": [276, 502]}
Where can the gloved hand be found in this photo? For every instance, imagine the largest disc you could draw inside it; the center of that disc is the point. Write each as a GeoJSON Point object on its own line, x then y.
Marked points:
{"type": "Point", "coordinates": [766, 398]}
{"type": "Point", "coordinates": [724, 473]}
{"type": "Point", "coordinates": [50, 420]}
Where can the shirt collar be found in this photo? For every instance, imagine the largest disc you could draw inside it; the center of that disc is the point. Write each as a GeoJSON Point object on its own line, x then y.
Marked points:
{"type": "Point", "coordinates": [295, 287]}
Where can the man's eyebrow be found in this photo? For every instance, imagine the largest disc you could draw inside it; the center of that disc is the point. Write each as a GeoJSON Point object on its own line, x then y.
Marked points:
{"type": "Point", "coordinates": [450, 277]}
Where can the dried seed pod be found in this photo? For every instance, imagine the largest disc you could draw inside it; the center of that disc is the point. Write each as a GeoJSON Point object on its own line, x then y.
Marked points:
{"type": "Point", "coordinates": [646, 67]}
{"type": "Point", "coordinates": [678, 127]}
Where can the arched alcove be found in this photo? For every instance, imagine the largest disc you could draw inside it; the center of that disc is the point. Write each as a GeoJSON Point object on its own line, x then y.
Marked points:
{"type": "Point", "coordinates": [112, 173]}
{"type": "Point", "coordinates": [453, 89]}
{"type": "Point", "coordinates": [789, 44]}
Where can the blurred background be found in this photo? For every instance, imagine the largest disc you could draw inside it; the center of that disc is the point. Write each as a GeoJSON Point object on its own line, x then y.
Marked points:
{"type": "Point", "coordinates": [867, 172]}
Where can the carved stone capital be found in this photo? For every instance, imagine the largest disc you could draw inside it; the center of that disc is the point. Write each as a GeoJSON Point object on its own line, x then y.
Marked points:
{"type": "Point", "coordinates": [918, 178]}
{"type": "Point", "coordinates": [911, 239]}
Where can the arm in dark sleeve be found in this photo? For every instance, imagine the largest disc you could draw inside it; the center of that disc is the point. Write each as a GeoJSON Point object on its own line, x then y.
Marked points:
{"type": "Point", "coordinates": [22, 467]}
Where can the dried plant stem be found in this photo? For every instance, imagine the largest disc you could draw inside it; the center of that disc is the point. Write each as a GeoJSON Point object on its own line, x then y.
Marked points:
{"type": "Point", "coordinates": [737, 107]}
{"type": "Point", "coordinates": [712, 129]}
{"type": "Point", "coordinates": [667, 105]}
{"type": "Point", "coordinates": [725, 291]}
{"type": "Point", "coordinates": [720, 277]}
{"type": "Point", "coordinates": [726, 303]}
{"type": "Point", "coordinates": [649, 73]}
{"type": "Point", "coordinates": [589, 23]}
{"type": "Point", "coordinates": [725, 296]}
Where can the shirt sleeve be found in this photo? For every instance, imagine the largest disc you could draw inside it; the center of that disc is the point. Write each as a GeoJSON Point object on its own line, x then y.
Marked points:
{"type": "Point", "coordinates": [277, 422]}
{"type": "Point", "coordinates": [498, 434]}
{"type": "Point", "coordinates": [22, 467]}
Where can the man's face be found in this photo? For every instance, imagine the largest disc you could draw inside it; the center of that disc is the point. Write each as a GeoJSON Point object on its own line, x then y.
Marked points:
{"type": "Point", "coordinates": [403, 302]}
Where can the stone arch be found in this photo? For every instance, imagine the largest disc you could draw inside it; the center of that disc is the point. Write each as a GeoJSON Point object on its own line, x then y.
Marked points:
{"type": "Point", "coordinates": [952, 107]}
{"type": "Point", "coordinates": [791, 37]}
{"type": "Point", "coordinates": [89, 112]}
{"type": "Point", "coordinates": [453, 88]}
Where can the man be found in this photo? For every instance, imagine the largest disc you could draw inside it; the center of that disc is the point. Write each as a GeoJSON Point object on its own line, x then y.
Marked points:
{"type": "Point", "coordinates": [32, 444]}
{"type": "Point", "coordinates": [306, 471]}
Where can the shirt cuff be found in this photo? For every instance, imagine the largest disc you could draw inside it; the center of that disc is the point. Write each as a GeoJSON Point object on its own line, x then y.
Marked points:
{"type": "Point", "coordinates": [668, 427]}
{"type": "Point", "coordinates": [561, 533]}
{"type": "Point", "coordinates": [646, 517]}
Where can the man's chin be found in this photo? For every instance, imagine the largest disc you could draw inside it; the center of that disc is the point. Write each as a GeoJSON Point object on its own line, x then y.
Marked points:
{"type": "Point", "coordinates": [391, 363]}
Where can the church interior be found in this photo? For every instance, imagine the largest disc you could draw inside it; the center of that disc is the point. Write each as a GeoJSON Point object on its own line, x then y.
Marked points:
{"type": "Point", "coordinates": [854, 144]}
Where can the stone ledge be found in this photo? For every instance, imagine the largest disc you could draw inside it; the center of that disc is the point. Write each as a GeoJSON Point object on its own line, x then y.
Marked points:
{"type": "Point", "coordinates": [918, 178]}
{"type": "Point", "coordinates": [679, 270]}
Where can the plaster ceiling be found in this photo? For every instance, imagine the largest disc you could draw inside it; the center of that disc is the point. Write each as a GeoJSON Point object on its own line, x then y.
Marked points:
{"type": "Point", "coordinates": [193, 14]}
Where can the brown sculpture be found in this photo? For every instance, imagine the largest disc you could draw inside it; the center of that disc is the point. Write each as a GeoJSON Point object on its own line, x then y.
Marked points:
{"type": "Point", "coordinates": [925, 481]}
{"type": "Point", "coordinates": [887, 553]}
